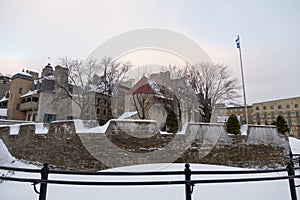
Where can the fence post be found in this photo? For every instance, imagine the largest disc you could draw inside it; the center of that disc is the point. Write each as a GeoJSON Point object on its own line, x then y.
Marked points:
{"type": "Point", "coordinates": [44, 177]}
{"type": "Point", "coordinates": [291, 172]}
{"type": "Point", "coordinates": [188, 191]}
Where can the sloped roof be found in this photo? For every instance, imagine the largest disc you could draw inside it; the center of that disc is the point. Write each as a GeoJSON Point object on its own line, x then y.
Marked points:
{"type": "Point", "coordinates": [29, 93]}
{"type": "Point", "coordinates": [145, 86]}
{"type": "Point", "coordinates": [23, 75]}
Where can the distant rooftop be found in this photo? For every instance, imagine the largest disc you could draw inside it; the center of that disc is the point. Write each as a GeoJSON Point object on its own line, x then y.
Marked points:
{"type": "Point", "coordinates": [22, 75]}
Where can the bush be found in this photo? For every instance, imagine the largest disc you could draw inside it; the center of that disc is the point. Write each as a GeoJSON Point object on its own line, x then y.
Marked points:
{"type": "Point", "coordinates": [233, 125]}
{"type": "Point", "coordinates": [281, 125]}
{"type": "Point", "coordinates": [172, 122]}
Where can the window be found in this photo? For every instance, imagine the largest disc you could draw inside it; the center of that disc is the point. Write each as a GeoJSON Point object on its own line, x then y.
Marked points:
{"type": "Point", "coordinates": [98, 111]}
{"type": "Point", "coordinates": [273, 115]}
{"type": "Point", "coordinates": [272, 107]}
{"type": "Point", "coordinates": [257, 108]}
{"type": "Point", "coordinates": [279, 106]}
{"type": "Point", "coordinates": [18, 106]}
{"type": "Point", "coordinates": [20, 90]}
{"type": "Point", "coordinates": [34, 117]}
{"type": "Point", "coordinates": [49, 117]}
{"type": "Point", "coordinates": [70, 117]}
{"type": "Point", "coordinates": [287, 106]}
{"type": "Point", "coordinates": [281, 114]}
{"type": "Point", "coordinates": [297, 114]}
{"type": "Point", "coordinates": [290, 123]}
{"type": "Point", "coordinates": [264, 107]}
{"type": "Point", "coordinates": [266, 115]}
{"type": "Point", "coordinates": [258, 116]}
{"type": "Point", "coordinates": [104, 111]}
{"type": "Point", "coordinates": [288, 114]}
{"type": "Point", "coordinates": [296, 105]}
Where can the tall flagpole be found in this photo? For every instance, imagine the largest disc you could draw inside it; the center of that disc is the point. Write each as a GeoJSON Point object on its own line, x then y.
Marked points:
{"type": "Point", "coordinates": [242, 72]}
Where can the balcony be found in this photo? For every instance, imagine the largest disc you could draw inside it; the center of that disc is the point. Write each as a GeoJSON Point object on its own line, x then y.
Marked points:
{"type": "Point", "coordinates": [29, 106]}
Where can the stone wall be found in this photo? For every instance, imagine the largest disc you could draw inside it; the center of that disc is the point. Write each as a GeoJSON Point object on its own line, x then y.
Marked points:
{"type": "Point", "coordinates": [60, 147]}
{"type": "Point", "coordinates": [130, 142]}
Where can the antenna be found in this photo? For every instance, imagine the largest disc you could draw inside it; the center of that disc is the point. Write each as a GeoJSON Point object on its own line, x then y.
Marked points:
{"type": "Point", "coordinates": [48, 60]}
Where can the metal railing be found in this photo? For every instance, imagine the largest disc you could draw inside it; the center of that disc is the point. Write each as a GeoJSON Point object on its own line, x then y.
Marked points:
{"type": "Point", "coordinates": [188, 182]}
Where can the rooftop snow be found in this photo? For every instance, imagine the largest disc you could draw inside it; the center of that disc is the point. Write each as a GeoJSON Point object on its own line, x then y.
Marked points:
{"type": "Point", "coordinates": [25, 74]}
{"type": "Point", "coordinates": [30, 92]}
{"type": "Point", "coordinates": [126, 115]}
{"type": "Point", "coordinates": [3, 99]}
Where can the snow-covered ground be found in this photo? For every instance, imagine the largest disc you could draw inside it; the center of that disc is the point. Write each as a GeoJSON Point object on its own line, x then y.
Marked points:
{"type": "Point", "coordinates": [275, 190]}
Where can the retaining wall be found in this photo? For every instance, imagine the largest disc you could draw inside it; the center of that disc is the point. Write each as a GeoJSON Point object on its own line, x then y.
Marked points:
{"type": "Point", "coordinates": [130, 142]}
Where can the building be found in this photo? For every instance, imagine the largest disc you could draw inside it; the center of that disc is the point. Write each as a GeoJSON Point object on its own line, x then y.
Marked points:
{"type": "Point", "coordinates": [239, 111]}
{"type": "Point", "coordinates": [151, 101]}
{"type": "Point", "coordinates": [4, 85]}
{"type": "Point", "coordinates": [20, 84]}
{"type": "Point", "coordinates": [184, 94]}
{"type": "Point", "coordinates": [43, 99]}
{"type": "Point", "coordinates": [266, 112]}
{"type": "Point", "coordinates": [118, 99]}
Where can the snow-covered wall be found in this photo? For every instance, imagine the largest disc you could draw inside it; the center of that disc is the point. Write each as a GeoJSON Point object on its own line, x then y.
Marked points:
{"type": "Point", "coordinates": [82, 145]}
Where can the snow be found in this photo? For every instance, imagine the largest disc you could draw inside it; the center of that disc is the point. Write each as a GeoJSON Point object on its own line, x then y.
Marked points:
{"type": "Point", "coordinates": [295, 145]}
{"type": "Point", "coordinates": [82, 127]}
{"type": "Point", "coordinates": [3, 112]}
{"type": "Point", "coordinates": [126, 115]}
{"type": "Point", "coordinates": [14, 129]}
{"type": "Point", "coordinates": [275, 190]}
{"type": "Point", "coordinates": [25, 74]}
{"type": "Point", "coordinates": [5, 156]}
{"type": "Point", "coordinates": [244, 129]}
{"type": "Point", "coordinates": [30, 92]}
{"type": "Point", "coordinates": [3, 99]}
{"type": "Point", "coordinates": [40, 128]}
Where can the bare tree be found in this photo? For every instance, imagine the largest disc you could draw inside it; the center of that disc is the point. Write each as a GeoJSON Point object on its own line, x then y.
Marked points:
{"type": "Point", "coordinates": [113, 73]}
{"type": "Point", "coordinates": [80, 74]}
{"type": "Point", "coordinates": [211, 83]}
{"type": "Point", "coordinates": [90, 76]}
{"type": "Point", "coordinates": [141, 101]}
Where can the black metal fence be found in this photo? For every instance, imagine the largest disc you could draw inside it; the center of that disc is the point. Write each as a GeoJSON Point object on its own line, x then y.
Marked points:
{"type": "Point", "coordinates": [187, 181]}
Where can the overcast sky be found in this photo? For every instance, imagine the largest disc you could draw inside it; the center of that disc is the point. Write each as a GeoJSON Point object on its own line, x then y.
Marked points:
{"type": "Point", "coordinates": [33, 30]}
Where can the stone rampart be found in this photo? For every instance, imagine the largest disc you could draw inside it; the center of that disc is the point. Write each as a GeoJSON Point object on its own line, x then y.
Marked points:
{"type": "Point", "coordinates": [128, 142]}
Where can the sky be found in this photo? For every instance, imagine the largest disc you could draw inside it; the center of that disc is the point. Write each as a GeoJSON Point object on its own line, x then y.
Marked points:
{"type": "Point", "coordinates": [33, 30]}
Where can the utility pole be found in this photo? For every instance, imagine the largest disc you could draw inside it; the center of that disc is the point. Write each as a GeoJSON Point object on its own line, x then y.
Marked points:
{"type": "Point", "coordinates": [238, 45]}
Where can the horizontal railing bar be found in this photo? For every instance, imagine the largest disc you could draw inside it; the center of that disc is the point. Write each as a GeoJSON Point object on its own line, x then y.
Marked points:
{"type": "Point", "coordinates": [20, 169]}
{"type": "Point", "coordinates": [149, 183]}
{"type": "Point", "coordinates": [146, 173]}
{"type": "Point", "coordinates": [117, 173]}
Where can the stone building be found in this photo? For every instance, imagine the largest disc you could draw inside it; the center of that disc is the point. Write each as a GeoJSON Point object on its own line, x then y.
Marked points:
{"type": "Point", "coordinates": [237, 110]}
{"type": "Point", "coordinates": [183, 92]}
{"type": "Point", "coordinates": [4, 85]}
{"type": "Point", "coordinates": [151, 101]}
{"type": "Point", "coordinates": [118, 99]}
{"type": "Point", "coordinates": [43, 99]}
{"type": "Point", "coordinates": [266, 112]}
